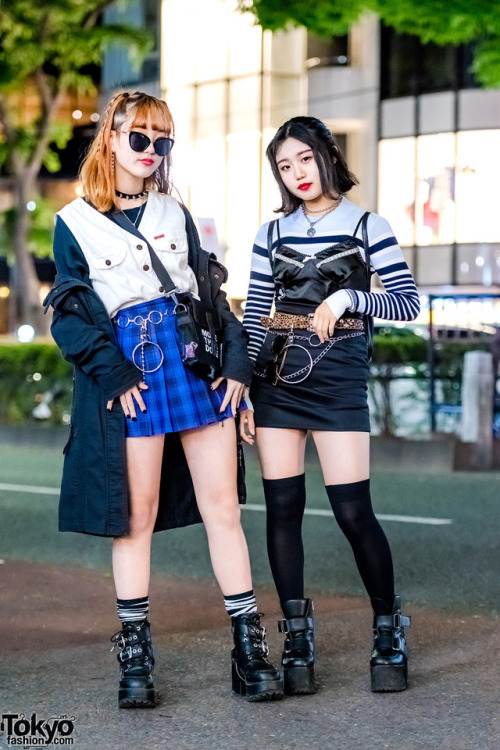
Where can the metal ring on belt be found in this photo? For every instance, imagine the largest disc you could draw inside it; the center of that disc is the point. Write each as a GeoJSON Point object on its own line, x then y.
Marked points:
{"type": "Point", "coordinates": [305, 371]}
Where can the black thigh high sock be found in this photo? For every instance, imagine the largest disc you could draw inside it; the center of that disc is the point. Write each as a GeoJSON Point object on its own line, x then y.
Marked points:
{"type": "Point", "coordinates": [352, 506]}
{"type": "Point", "coordinates": [285, 501]}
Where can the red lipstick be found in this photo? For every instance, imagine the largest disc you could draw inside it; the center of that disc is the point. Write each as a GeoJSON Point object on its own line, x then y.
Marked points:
{"type": "Point", "coordinates": [147, 162]}
{"type": "Point", "coordinates": [305, 186]}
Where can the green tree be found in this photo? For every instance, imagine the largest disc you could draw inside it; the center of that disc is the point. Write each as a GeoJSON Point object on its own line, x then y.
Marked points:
{"type": "Point", "coordinates": [438, 21]}
{"type": "Point", "coordinates": [45, 48]}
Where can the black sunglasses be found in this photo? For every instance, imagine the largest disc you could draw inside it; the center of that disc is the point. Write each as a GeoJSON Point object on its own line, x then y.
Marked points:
{"type": "Point", "coordinates": [140, 142]}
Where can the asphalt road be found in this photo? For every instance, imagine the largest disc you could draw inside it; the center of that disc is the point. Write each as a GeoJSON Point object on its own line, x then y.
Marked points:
{"type": "Point", "coordinates": [446, 558]}
{"type": "Point", "coordinates": [57, 616]}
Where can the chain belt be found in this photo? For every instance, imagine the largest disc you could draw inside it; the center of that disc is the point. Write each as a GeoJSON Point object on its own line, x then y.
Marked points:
{"type": "Point", "coordinates": [154, 317]}
{"type": "Point", "coordinates": [289, 343]}
{"type": "Point", "coordinates": [284, 321]}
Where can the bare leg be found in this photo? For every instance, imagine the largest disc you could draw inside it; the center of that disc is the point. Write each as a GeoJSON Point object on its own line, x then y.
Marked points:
{"type": "Point", "coordinates": [132, 553]}
{"type": "Point", "coordinates": [344, 456]}
{"type": "Point", "coordinates": [281, 452]}
{"type": "Point", "coordinates": [211, 455]}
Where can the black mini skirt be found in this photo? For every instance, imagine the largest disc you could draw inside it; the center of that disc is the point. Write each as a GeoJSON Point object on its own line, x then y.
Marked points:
{"type": "Point", "coordinates": [303, 384]}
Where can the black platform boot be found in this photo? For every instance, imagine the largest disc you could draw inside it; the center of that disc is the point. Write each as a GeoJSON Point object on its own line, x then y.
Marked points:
{"type": "Point", "coordinates": [298, 652]}
{"type": "Point", "coordinates": [252, 674]}
{"type": "Point", "coordinates": [136, 665]}
{"type": "Point", "coordinates": [389, 660]}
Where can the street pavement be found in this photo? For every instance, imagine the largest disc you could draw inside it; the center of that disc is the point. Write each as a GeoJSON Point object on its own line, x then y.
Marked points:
{"type": "Point", "coordinates": [54, 631]}
{"type": "Point", "coordinates": [57, 618]}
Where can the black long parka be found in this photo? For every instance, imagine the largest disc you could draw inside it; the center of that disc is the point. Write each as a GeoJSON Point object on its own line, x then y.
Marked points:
{"type": "Point", "coordinates": [94, 492]}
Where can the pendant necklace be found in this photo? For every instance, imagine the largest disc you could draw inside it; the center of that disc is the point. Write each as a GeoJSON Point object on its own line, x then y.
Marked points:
{"type": "Point", "coordinates": [311, 231]}
{"type": "Point", "coordinates": [139, 216]}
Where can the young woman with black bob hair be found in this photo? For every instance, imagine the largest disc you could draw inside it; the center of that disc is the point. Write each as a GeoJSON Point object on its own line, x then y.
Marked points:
{"type": "Point", "coordinates": [152, 445]}
{"type": "Point", "coordinates": [314, 264]}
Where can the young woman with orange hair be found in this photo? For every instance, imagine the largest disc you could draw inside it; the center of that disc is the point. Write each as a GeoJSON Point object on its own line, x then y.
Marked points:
{"type": "Point", "coordinates": [152, 445]}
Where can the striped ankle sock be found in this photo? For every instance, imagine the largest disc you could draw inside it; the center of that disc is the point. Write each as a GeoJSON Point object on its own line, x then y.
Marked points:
{"type": "Point", "coordinates": [240, 604]}
{"type": "Point", "coordinates": [133, 610]}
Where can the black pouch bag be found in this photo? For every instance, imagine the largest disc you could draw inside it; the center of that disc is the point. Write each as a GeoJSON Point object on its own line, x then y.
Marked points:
{"type": "Point", "coordinates": [199, 346]}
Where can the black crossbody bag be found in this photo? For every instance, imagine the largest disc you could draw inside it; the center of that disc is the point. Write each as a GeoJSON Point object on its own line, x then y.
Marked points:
{"type": "Point", "coordinates": [199, 345]}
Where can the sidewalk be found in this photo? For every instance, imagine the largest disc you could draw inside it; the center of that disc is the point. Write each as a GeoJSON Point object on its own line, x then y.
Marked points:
{"type": "Point", "coordinates": [55, 628]}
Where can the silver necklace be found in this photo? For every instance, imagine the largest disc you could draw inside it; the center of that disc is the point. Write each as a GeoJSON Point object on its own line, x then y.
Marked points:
{"type": "Point", "coordinates": [139, 216]}
{"type": "Point", "coordinates": [332, 205]}
{"type": "Point", "coordinates": [311, 231]}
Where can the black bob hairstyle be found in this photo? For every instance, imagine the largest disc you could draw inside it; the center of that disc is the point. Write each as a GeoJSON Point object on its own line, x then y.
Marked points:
{"type": "Point", "coordinates": [333, 171]}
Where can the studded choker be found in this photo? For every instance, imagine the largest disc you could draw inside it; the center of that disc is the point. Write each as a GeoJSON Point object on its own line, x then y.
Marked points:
{"type": "Point", "coordinates": [129, 196]}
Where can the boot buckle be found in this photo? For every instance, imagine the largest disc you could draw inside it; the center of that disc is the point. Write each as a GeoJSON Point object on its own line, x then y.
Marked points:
{"type": "Point", "coordinates": [398, 642]}
{"type": "Point", "coordinates": [402, 621]}
{"type": "Point", "coordinates": [118, 641]}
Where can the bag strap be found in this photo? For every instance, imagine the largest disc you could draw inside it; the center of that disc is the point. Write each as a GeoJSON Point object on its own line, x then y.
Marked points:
{"type": "Point", "coordinates": [367, 319]}
{"type": "Point", "coordinates": [363, 223]}
{"type": "Point", "coordinates": [125, 223]}
{"type": "Point", "coordinates": [270, 231]}
{"type": "Point", "coordinates": [363, 220]}
{"type": "Point", "coordinates": [366, 244]}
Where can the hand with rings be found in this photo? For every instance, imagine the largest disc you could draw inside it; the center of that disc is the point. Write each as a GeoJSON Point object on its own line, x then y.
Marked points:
{"type": "Point", "coordinates": [234, 393]}
{"type": "Point", "coordinates": [127, 401]}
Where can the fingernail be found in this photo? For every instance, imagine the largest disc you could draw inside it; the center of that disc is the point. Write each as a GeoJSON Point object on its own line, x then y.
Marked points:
{"type": "Point", "coordinates": [107, 408]}
{"type": "Point", "coordinates": [128, 416]}
{"type": "Point", "coordinates": [134, 419]}
{"type": "Point", "coordinates": [144, 411]}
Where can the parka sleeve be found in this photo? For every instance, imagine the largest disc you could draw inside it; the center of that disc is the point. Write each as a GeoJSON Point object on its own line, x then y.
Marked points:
{"type": "Point", "coordinates": [83, 342]}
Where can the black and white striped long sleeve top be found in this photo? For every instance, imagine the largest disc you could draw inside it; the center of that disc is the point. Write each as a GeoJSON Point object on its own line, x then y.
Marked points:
{"type": "Point", "coordinates": [400, 300]}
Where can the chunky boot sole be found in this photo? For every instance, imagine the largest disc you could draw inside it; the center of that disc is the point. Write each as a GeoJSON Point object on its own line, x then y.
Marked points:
{"type": "Point", "coordinates": [268, 690]}
{"type": "Point", "coordinates": [299, 680]}
{"type": "Point", "coordinates": [389, 679]}
{"type": "Point", "coordinates": [136, 698]}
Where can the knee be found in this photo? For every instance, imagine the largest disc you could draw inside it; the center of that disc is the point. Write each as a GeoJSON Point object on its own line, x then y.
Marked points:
{"type": "Point", "coordinates": [351, 505]}
{"type": "Point", "coordinates": [285, 497]}
{"type": "Point", "coordinates": [222, 511]}
{"type": "Point", "coordinates": [350, 518]}
{"type": "Point", "coordinates": [143, 521]}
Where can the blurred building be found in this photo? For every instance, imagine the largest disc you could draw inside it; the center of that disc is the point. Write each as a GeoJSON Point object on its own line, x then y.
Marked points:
{"type": "Point", "coordinates": [118, 70]}
{"type": "Point", "coordinates": [422, 137]}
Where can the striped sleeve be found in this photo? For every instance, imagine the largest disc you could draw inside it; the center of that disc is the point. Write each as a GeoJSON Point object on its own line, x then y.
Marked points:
{"type": "Point", "coordinates": [260, 296]}
{"type": "Point", "coordinates": [401, 300]}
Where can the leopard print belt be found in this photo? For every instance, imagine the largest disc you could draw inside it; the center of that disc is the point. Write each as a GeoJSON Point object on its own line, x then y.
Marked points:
{"type": "Point", "coordinates": [284, 321]}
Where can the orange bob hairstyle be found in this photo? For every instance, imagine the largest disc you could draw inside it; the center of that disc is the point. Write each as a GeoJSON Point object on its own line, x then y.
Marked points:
{"type": "Point", "coordinates": [133, 110]}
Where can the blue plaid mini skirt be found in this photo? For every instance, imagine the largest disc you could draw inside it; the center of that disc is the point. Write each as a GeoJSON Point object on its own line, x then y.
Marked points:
{"type": "Point", "coordinates": [176, 399]}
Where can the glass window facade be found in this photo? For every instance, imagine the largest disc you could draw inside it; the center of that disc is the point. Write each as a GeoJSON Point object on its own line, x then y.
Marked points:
{"type": "Point", "coordinates": [229, 85]}
{"type": "Point", "coordinates": [118, 70]}
{"type": "Point", "coordinates": [325, 52]}
{"type": "Point", "coordinates": [439, 193]}
{"type": "Point", "coordinates": [409, 67]}
{"type": "Point", "coordinates": [441, 188]}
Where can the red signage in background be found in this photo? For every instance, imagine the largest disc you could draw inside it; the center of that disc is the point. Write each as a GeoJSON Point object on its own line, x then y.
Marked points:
{"type": "Point", "coordinates": [208, 237]}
